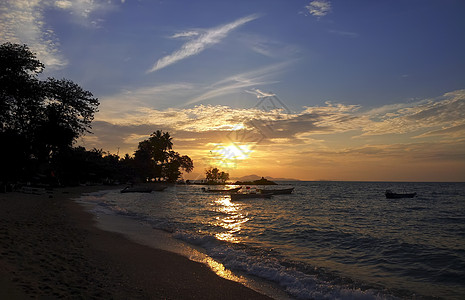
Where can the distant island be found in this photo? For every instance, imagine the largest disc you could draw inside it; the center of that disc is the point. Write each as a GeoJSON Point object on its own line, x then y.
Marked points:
{"type": "Point", "coordinates": [261, 181]}
{"type": "Point", "coordinates": [213, 178]}
{"type": "Point", "coordinates": [254, 177]}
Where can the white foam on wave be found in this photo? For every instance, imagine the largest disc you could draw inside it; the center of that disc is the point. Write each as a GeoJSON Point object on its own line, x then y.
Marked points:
{"type": "Point", "coordinates": [101, 203]}
{"type": "Point", "coordinates": [147, 231]}
{"type": "Point", "coordinates": [296, 283]}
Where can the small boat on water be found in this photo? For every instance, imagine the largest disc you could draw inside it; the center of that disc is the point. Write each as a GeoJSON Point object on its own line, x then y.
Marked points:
{"type": "Point", "coordinates": [226, 191]}
{"type": "Point", "coordinates": [391, 195]}
{"type": "Point", "coordinates": [240, 196]}
{"type": "Point", "coordinates": [276, 191]}
{"type": "Point", "coordinates": [160, 188]}
{"type": "Point", "coordinates": [130, 189]}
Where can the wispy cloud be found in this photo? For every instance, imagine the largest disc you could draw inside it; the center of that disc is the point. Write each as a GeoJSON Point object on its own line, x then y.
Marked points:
{"type": "Point", "coordinates": [130, 106]}
{"type": "Point", "coordinates": [442, 117]}
{"type": "Point", "coordinates": [260, 94]}
{"type": "Point", "coordinates": [419, 134]}
{"type": "Point", "coordinates": [205, 40]}
{"type": "Point", "coordinates": [23, 22]}
{"type": "Point", "coordinates": [319, 8]}
{"type": "Point", "coordinates": [80, 8]}
{"type": "Point", "coordinates": [185, 34]}
{"type": "Point", "coordinates": [184, 94]}
{"type": "Point", "coordinates": [432, 115]}
{"type": "Point", "coordinates": [240, 82]}
{"type": "Point", "coordinates": [453, 131]}
{"type": "Point", "coordinates": [269, 47]}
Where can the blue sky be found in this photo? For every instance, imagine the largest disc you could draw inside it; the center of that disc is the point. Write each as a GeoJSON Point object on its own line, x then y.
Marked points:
{"type": "Point", "coordinates": [347, 80]}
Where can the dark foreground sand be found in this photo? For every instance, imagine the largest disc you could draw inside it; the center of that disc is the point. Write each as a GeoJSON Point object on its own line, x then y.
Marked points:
{"type": "Point", "coordinates": [49, 248]}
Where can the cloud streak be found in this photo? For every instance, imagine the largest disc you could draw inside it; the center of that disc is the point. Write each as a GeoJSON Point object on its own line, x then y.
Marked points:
{"type": "Point", "coordinates": [438, 119]}
{"type": "Point", "coordinates": [319, 8]}
{"type": "Point", "coordinates": [441, 116]}
{"type": "Point", "coordinates": [185, 34]}
{"type": "Point", "coordinates": [23, 22]}
{"type": "Point", "coordinates": [205, 40]}
{"type": "Point", "coordinates": [435, 115]}
{"type": "Point", "coordinates": [240, 82]}
{"type": "Point", "coordinates": [417, 136]}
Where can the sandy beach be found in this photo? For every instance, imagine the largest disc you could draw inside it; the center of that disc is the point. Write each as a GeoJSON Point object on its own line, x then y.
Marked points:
{"type": "Point", "coordinates": [50, 248]}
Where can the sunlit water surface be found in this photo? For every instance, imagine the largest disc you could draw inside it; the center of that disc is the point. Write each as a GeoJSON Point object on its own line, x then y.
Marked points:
{"type": "Point", "coordinates": [326, 240]}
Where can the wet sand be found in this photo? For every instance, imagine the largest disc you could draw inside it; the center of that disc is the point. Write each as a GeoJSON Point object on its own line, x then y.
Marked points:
{"type": "Point", "coordinates": [50, 248]}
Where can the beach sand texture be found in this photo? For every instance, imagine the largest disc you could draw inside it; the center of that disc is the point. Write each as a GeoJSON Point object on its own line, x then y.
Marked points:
{"type": "Point", "coordinates": [50, 248]}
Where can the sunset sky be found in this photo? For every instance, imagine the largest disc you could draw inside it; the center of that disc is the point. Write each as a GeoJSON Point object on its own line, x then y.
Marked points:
{"type": "Point", "coordinates": [312, 90]}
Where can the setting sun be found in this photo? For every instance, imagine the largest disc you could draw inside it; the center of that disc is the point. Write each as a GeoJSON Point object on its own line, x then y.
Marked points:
{"type": "Point", "coordinates": [228, 155]}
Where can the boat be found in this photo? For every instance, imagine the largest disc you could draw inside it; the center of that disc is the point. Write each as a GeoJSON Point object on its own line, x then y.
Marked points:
{"type": "Point", "coordinates": [225, 191]}
{"type": "Point", "coordinates": [276, 191]}
{"type": "Point", "coordinates": [240, 196]}
{"type": "Point", "coordinates": [391, 195]}
{"type": "Point", "coordinates": [160, 188]}
{"type": "Point", "coordinates": [130, 189]}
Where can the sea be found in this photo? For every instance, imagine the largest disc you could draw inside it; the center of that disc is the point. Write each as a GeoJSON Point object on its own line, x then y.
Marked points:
{"type": "Point", "coordinates": [326, 240]}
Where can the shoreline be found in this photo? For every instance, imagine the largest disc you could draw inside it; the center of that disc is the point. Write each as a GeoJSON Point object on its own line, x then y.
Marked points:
{"type": "Point", "coordinates": [50, 246]}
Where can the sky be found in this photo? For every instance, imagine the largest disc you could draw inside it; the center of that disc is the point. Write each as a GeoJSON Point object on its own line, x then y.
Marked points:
{"type": "Point", "coordinates": [312, 90]}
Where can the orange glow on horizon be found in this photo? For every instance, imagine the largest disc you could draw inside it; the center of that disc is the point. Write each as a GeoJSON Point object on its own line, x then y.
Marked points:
{"type": "Point", "coordinates": [228, 156]}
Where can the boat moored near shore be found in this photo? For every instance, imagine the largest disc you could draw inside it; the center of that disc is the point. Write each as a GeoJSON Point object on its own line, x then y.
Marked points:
{"type": "Point", "coordinates": [225, 191]}
{"type": "Point", "coordinates": [391, 195]}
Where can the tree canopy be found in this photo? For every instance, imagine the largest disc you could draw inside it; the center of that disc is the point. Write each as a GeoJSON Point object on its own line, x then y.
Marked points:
{"type": "Point", "coordinates": [21, 94]}
{"type": "Point", "coordinates": [155, 159]}
{"type": "Point", "coordinates": [41, 119]}
{"type": "Point", "coordinates": [38, 119]}
{"type": "Point", "coordinates": [215, 176]}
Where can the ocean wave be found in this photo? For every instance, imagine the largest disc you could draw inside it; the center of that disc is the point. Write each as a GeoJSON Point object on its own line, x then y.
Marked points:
{"type": "Point", "coordinates": [328, 240]}
{"type": "Point", "coordinates": [296, 283]}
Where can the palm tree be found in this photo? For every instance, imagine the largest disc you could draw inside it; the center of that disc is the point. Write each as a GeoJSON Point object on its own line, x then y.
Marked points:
{"type": "Point", "coordinates": [155, 159]}
{"type": "Point", "coordinates": [160, 143]}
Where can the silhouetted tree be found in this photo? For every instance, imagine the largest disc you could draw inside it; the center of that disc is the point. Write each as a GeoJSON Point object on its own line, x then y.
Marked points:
{"type": "Point", "coordinates": [154, 159]}
{"type": "Point", "coordinates": [144, 163]}
{"type": "Point", "coordinates": [14, 156]}
{"type": "Point", "coordinates": [171, 169]}
{"type": "Point", "coordinates": [127, 168]}
{"type": "Point", "coordinates": [38, 119]}
{"type": "Point", "coordinates": [20, 99]}
{"type": "Point", "coordinates": [161, 143]}
{"type": "Point", "coordinates": [67, 114]}
{"type": "Point", "coordinates": [214, 175]}
{"type": "Point", "coordinates": [78, 165]}
{"type": "Point", "coordinates": [21, 93]}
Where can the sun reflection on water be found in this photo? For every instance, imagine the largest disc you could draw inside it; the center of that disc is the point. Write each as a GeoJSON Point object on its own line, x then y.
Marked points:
{"type": "Point", "coordinates": [231, 219]}
{"type": "Point", "coordinates": [220, 270]}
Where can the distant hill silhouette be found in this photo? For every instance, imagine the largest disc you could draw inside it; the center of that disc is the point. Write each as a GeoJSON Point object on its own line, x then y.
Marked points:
{"type": "Point", "coordinates": [254, 177]}
{"type": "Point", "coordinates": [261, 181]}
